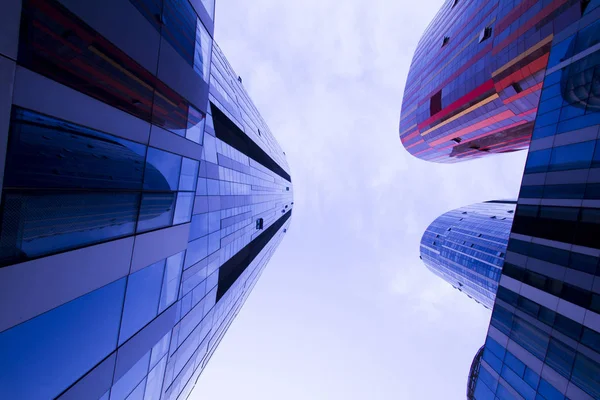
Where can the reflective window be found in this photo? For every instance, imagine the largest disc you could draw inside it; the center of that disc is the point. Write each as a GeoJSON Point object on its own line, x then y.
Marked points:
{"type": "Point", "coordinates": [573, 156]}
{"type": "Point", "coordinates": [162, 170]}
{"type": "Point", "coordinates": [171, 281]}
{"type": "Point", "coordinates": [132, 378]}
{"type": "Point", "coordinates": [183, 209]}
{"type": "Point", "coordinates": [141, 300]}
{"type": "Point", "coordinates": [30, 352]}
{"type": "Point", "coordinates": [537, 161]}
{"type": "Point", "coordinates": [189, 174]}
{"type": "Point", "coordinates": [156, 211]}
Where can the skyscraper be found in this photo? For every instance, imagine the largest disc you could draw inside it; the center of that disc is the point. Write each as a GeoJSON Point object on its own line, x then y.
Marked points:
{"type": "Point", "coordinates": [142, 196]}
{"type": "Point", "coordinates": [466, 247]}
{"type": "Point", "coordinates": [544, 337]}
{"type": "Point", "coordinates": [474, 83]}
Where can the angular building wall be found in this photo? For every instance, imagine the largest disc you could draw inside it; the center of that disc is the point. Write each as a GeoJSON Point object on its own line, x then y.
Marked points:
{"type": "Point", "coordinates": [544, 337]}
{"type": "Point", "coordinates": [466, 247]}
{"type": "Point", "coordinates": [139, 203]}
{"type": "Point", "coordinates": [474, 84]}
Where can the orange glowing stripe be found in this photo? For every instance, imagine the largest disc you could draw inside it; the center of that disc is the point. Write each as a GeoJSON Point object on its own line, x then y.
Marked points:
{"type": "Point", "coordinates": [515, 60]}
{"type": "Point", "coordinates": [528, 70]}
{"type": "Point", "coordinates": [462, 113]}
{"type": "Point", "coordinates": [471, 128]}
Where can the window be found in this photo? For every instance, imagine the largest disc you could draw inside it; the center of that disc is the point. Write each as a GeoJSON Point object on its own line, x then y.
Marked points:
{"type": "Point", "coordinates": [75, 336]}
{"type": "Point", "coordinates": [457, 140]}
{"type": "Point", "coordinates": [435, 103]}
{"type": "Point", "coordinates": [259, 223]}
{"type": "Point", "coordinates": [573, 156]}
{"type": "Point", "coordinates": [445, 41]}
{"type": "Point", "coordinates": [517, 87]}
{"type": "Point", "coordinates": [485, 34]}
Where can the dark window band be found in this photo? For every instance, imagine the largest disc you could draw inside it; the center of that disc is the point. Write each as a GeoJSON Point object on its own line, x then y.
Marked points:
{"type": "Point", "coordinates": [228, 132]}
{"type": "Point", "coordinates": [236, 265]}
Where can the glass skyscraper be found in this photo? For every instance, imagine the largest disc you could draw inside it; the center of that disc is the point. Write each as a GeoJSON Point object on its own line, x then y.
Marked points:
{"type": "Point", "coordinates": [500, 75]}
{"type": "Point", "coordinates": [466, 247]}
{"type": "Point", "coordinates": [474, 83]}
{"type": "Point", "coordinates": [142, 196]}
{"type": "Point", "coordinates": [544, 337]}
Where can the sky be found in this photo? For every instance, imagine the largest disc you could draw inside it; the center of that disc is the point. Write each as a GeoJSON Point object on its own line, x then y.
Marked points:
{"type": "Point", "coordinates": [345, 309]}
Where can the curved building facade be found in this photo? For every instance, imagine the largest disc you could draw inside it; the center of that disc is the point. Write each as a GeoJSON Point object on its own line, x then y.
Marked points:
{"type": "Point", "coordinates": [474, 83]}
{"type": "Point", "coordinates": [466, 247]}
{"type": "Point", "coordinates": [142, 195]}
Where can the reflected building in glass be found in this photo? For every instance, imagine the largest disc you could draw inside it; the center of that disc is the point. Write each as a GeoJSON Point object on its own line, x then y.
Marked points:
{"type": "Point", "coordinates": [474, 84]}
{"type": "Point", "coordinates": [142, 196]}
{"type": "Point", "coordinates": [466, 247]}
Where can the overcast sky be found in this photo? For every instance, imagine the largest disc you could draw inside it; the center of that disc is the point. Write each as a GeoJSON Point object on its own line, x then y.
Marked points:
{"type": "Point", "coordinates": [345, 309]}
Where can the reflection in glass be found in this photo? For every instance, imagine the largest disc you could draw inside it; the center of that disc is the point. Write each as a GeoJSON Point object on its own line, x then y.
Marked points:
{"type": "Point", "coordinates": [43, 356]}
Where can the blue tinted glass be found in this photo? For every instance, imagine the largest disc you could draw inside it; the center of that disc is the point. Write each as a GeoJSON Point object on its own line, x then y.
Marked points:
{"type": "Point", "coordinates": [43, 356]}
{"type": "Point", "coordinates": [180, 27]}
{"type": "Point", "coordinates": [183, 209]}
{"type": "Point", "coordinates": [549, 391]}
{"type": "Point", "coordinates": [128, 382]}
{"type": "Point", "coordinates": [585, 375]}
{"type": "Point", "coordinates": [516, 365]}
{"type": "Point", "coordinates": [482, 392]}
{"type": "Point", "coordinates": [517, 383]}
{"type": "Point", "coordinates": [196, 251]}
{"type": "Point", "coordinates": [156, 211]}
{"type": "Point", "coordinates": [560, 357]}
{"type": "Point", "coordinates": [199, 226]}
{"type": "Point", "coordinates": [488, 379]}
{"type": "Point", "coordinates": [503, 394]}
{"type": "Point", "coordinates": [29, 221]}
{"type": "Point", "coordinates": [537, 161]}
{"type": "Point", "coordinates": [155, 380]}
{"type": "Point", "coordinates": [46, 152]}
{"type": "Point", "coordinates": [189, 174]}
{"type": "Point", "coordinates": [171, 281]}
{"type": "Point", "coordinates": [202, 51]}
{"type": "Point", "coordinates": [141, 300]}
{"type": "Point", "coordinates": [531, 378]}
{"type": "Point", "coordinates": [573, 156]}
{"type": "Point", "coordinates": [492, 360]}
{"type": "Point", "coordinates": [596, 158]}
{"type": "Point", "coordinates": [214, 221]}
{"type": "Point", "coordinates": [162, 170]}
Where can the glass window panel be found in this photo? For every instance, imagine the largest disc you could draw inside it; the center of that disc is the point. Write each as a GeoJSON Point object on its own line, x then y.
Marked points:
{"type": "Point", "coordinates": [138, 392]}
{"type": "Point", "coordinates": [189, 174]}
{"type": "Point", "coordinates": [214, 221]}
{"type": "Point", "coordinates": [46, 152]}
{"type": "Point", "coordinates": [183, 209]}
{"type": "Point", "coordinates": [160, 349]}
{"type": "Point", "coordinates": [529, 337]}
{"type": "Point", "coordinates": [155, 380]}
{"type": "Point", "coordinates": [128, 382]}
{"type": "Point", "coordinates": [573, 156]}
{"type": "Point", "coordinates": [549, 392]}
{"type": "Point", "coordinates": [209, 5]}
{"type": "Point", "coordinates": [42, 223]}
{"type": "Point", "coordinates": [537, 161]}
{"type": "Point", "coordinates": [199, 226]}
{"type": "Point", "coordinates": [202, 51]}
{"type": "Point", "coordinates": [518, 384]}
{"type": "Point", "coordinates": [31, 352]}
{"type": "Point", "coordinates": [141, 300]}
{"type": "Point", "coordinates": [162, 170]}
{"type": "Point", "coordinates": [156, 211]}
{"type": "Point", "coordinates": [515, 364]}
{"type": "Point", "coordinates": [195, 127]}
{"type": "Point", "coordinates": [585, 375]}
{"type": "Point", "coordinates": [531, 378]}
{"type": "Point", "coordinates": [562, 213]}
{"type": "Point", "coordinates": [171, 281]}
{"type": "Point", "coordinates": [560, 357]}
{"type": "Point", "coordinates": [196, 251]}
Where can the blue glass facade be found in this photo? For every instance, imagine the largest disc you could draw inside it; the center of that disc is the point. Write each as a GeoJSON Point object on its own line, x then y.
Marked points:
{"type": "Point", "coordinates": [466, 247]}
{"type": "Point", "coordinates": [142, 195]}
{"type": "Point", "coordinates": [544, 337]}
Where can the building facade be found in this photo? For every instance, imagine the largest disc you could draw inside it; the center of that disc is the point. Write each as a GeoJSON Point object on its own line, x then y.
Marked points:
{"type": "Point", "coordinates": [474, 83]}
{"type": "Point", "coordinates": [544, 337]}
{"type": "Point", "coordinates": [142, 196]}
{"type": "Point", "coordinates": [466, 247]}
